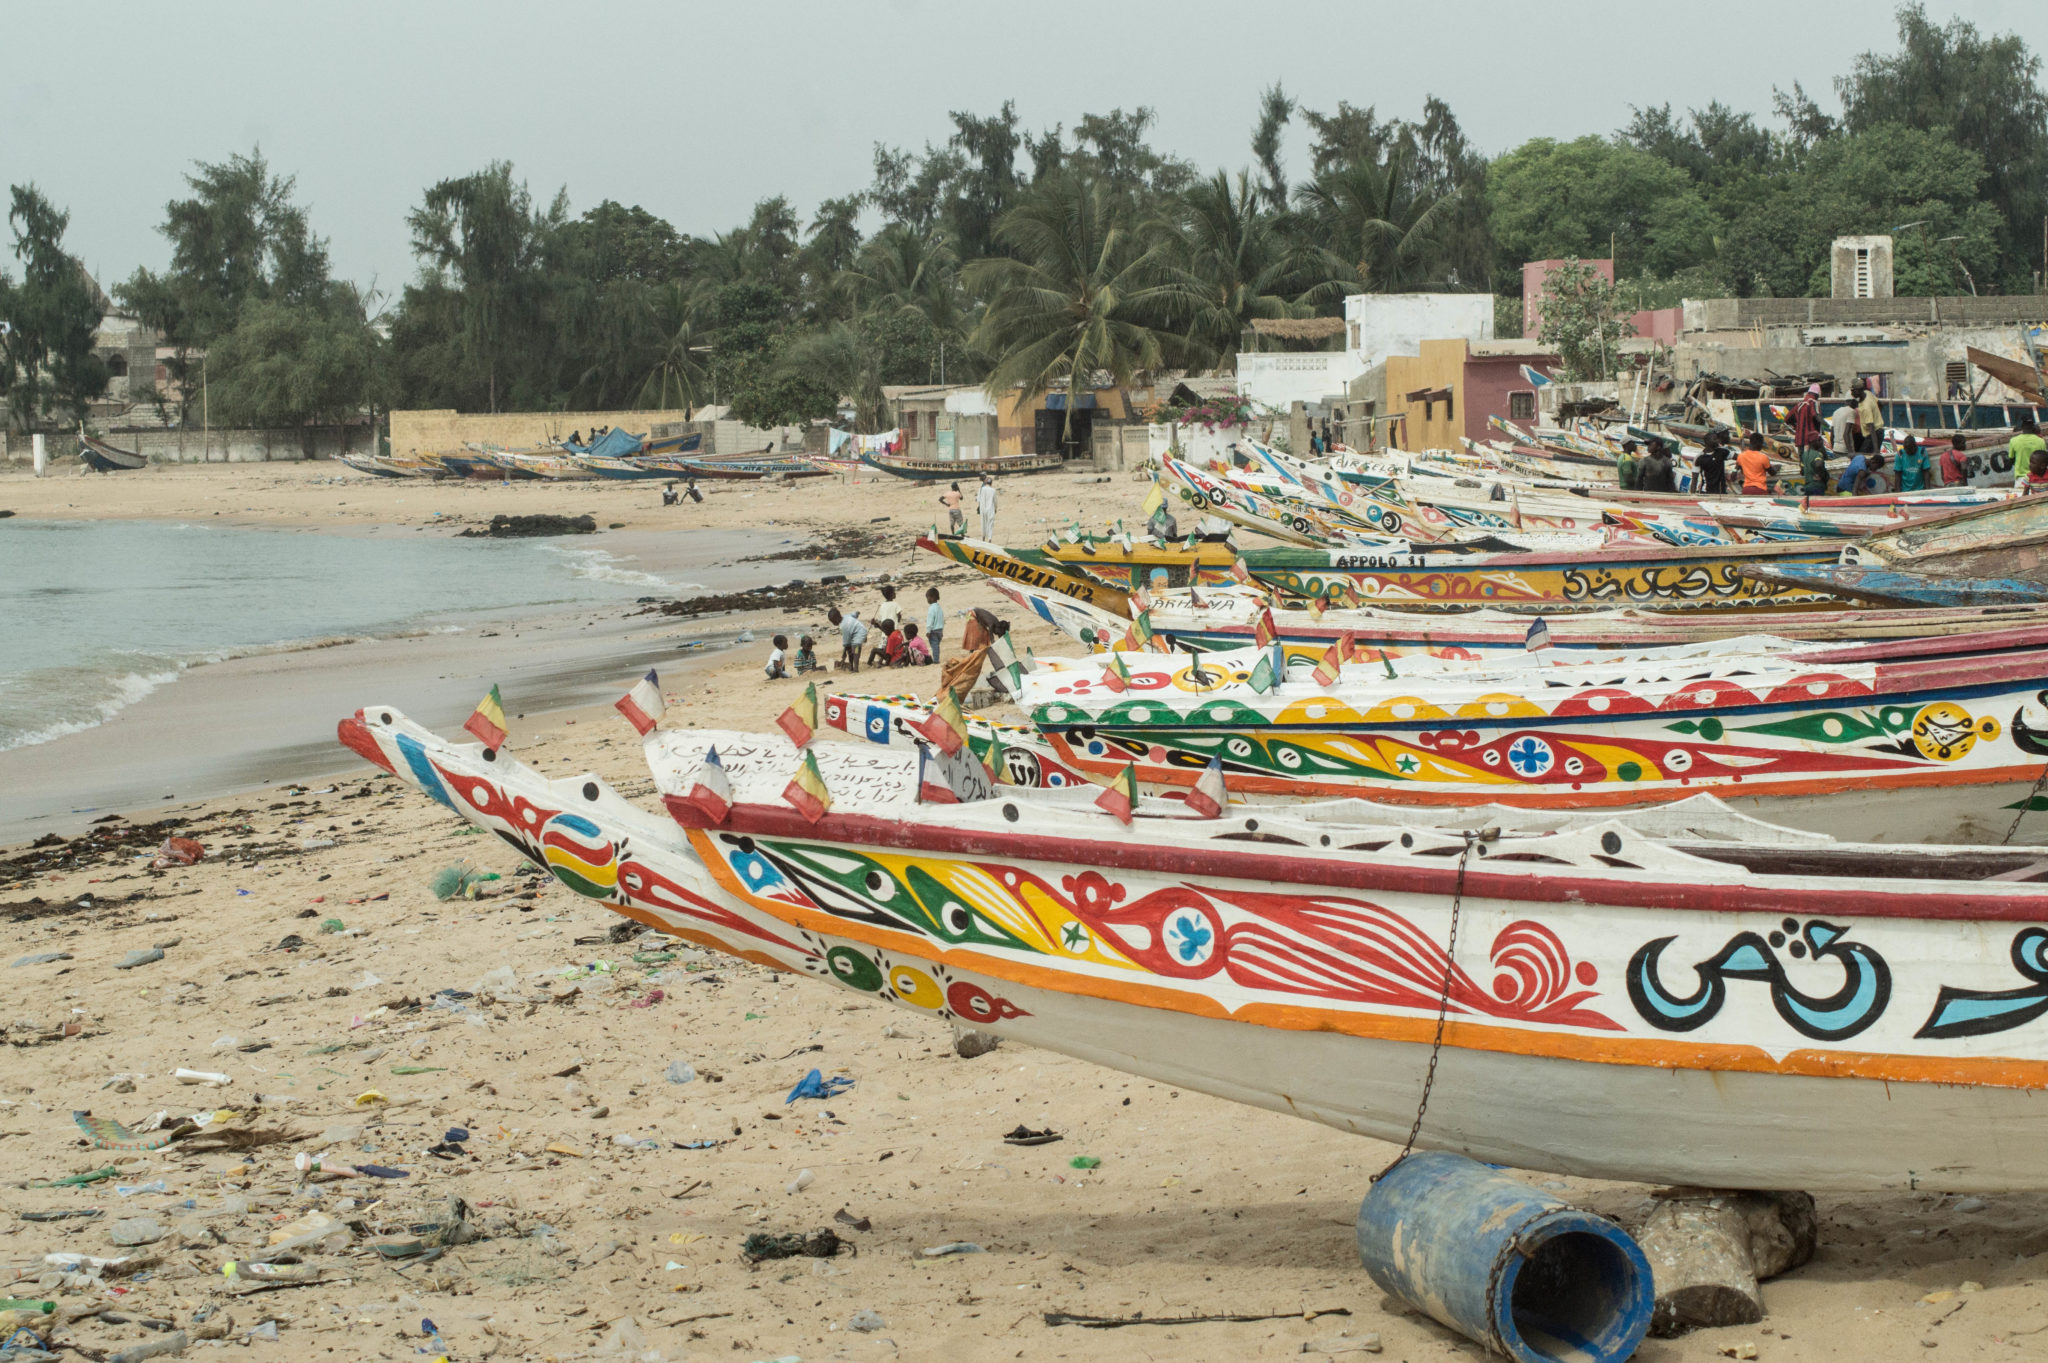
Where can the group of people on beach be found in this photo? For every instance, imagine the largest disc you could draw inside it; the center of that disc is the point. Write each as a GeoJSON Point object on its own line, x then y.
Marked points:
{"type": "Point", "coordinates": [893, 640]}
{"type": "Point", "coordinates": [1854, 434]}
{"type": "Point", "coordinates": [954, 501]}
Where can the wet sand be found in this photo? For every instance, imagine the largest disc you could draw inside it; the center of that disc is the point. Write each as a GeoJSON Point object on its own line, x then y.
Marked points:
{"type": "Point", "coordinates": [1198, 1206]}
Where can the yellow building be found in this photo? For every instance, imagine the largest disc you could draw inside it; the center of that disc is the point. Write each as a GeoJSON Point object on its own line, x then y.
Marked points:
{"type": "Point", "coordinates": [1445, 394]}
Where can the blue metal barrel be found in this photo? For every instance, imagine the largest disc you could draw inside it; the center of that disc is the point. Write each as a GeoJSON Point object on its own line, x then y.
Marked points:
{"type": "Point", "coordinates": [1515, 1269]}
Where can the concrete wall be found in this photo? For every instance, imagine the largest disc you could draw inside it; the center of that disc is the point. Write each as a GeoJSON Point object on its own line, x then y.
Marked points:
{"type": "Point", "coordinates": [1876, 255]}
{"type": "Point", "coordinates": [1915, 365]}
{"type": "Point", "coordinates": [1382, 324]}
{"type": "Point", "coordinates": [1737, 314]}
{"type": "Point", "coordinates": [1279, 379]}
{"type": "Point", "coordinates": [430, 431]}
{"type": "Point", "coordinates": [196, 446]}
{"type": "Point", "coordinates": [1534, 274]}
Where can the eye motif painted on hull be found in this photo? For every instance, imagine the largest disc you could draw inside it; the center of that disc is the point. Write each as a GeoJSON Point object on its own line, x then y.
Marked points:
{"type": "Point", "coordinates": [1866, 986]}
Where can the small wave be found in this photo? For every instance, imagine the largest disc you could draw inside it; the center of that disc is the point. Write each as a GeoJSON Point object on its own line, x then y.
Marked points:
{"type": "Point", "coordinates": [599, 566]}
{"type": "Point", "coordinates": [122, 692]}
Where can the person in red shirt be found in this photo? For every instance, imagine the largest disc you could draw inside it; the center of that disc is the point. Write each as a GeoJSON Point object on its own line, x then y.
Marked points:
{"type": "Point", "coordinates": [1806, 419]}
{"type": "Point", "coordinates": [1953, 472]}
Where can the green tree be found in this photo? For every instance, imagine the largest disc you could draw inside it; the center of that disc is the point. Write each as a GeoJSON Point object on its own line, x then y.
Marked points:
{"type": "Point", "coordinates": [1275, 109]}
{"type": "Point", "coordinates": [289, 364]}
{"type": "Point", "coordinates": [1554, 199]}
{"type": "Point", "coordinates": [1983, 95]}
{"type": "Point", "coordinates": [481, 237]}
{"type": "Point", "coordinates": [1229, 260]}
{"type": "Point", "coordinates": [1584, 319]}
{"type": "Point", "coordinates": [241, 235]}
{"type": "Point", "coordinates": [1372, 226]}
{"type": "Point", "coordinates": [1082, 293]}
{"type": "Point", "coordinates": [51, 317]}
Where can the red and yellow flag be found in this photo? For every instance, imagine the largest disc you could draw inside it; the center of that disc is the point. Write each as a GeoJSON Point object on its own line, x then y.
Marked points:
{"type": "Point", "coordinates": [1264, 631]}
{"type": "Point", "coordinates": [1331, 665]}
{"type": "Point", "coordinates": [1116, 676]}
{"type": "Point", "coordinates": [800, 720]}
{"type": "Point", "coordinates": [806, 790]}
{"type": "Point", "coordinates": [945, 726]}
{"type": "Point", "coordinates": [488, 723]}
{"type": "Point", "coordinates": [1120, 795]}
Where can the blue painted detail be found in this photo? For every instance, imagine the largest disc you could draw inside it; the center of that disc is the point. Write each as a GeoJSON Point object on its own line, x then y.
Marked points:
{"type": "Point", "coordinates": [879, 724]}
{"type": "Point", "coordinates": [1866, 984]}
{"type": "Point", "coordinates": [423, 773]}
{"type": "Point", "coordinates": [1976, 1012]}
{"type": "Point", "coordinates": [1514, 1269]}
{"type": "Point", "coordinates": [576, 823]}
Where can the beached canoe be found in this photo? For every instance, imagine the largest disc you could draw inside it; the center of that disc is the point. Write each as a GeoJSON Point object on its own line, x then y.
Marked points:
{"type": "Point", "coordinates": [1216, 619]}
{"type": "Point", "coordinates": [941, 470]}
{"type": "Point", "coordinates": [1683, 997]}
{"type": "Point", "coordinates": [1028, 760]}
{"type": "Point", "coordinates": [1929, 749]}
{"type": "Point", "coordinates": [104, 458]}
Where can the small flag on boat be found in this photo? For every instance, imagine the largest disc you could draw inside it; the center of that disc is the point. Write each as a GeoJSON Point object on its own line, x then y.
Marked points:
{"type": "Point", "coordinates": [1195, 598]}
{"type": "Point", "coordinates": [710, 791]}
{"type": "Point", "coordinates": [1120, 795]}
{"type": "Point", "coordinates": [1331, 665]}
{"type": "Point", "coordinates": [1266, 674]}
{"type": "Point", "coordinates": [806, 790]}
{"type": "Point", "coordinates": [1241, 571]}
{"type": "Point", "coordinates": [1315, 608]}
{"type": "Point", "coordinates": [1153, 501]}
{"type": "Point", "coordinates": [1535, 378]}
{"type": "Point", "coordinates": [1209, 796]}
{"type": "Point", "coordinates": [488, 723]}
{"type": "Point", "coordinates": [1141, 627]}
{"type": "Point", "coordinates": [1387, 663]}
{"type": "Point", "coordinates": [1264, 631]}
{"type": "Point", "coordinates": [1538, 636]}
{"type": "Point", "coordinates": [997, 760]}
{"type": "Point", "coordinates": [1116, 676]}
{"type": "Point", "coordinates": [945, 726]}
{"type": "Point", "coordinates": [642, 706]}
{"type": "Point", "coordinates": [800, 720]}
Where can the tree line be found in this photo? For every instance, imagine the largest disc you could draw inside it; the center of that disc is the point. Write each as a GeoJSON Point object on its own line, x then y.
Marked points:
{"type": "Point", "coordinates": [1007, 256]}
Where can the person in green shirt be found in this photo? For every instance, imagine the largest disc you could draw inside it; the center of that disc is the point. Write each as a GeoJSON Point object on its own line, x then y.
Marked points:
{"type": "Point", "coordinates": [2020, 449]}
{"type": "Point", "coordinates": [1911, 466]}
{"type": "Point", "coordinates": [1813, 466]}
{"type": "Point", "coordinates": [1625, 466]}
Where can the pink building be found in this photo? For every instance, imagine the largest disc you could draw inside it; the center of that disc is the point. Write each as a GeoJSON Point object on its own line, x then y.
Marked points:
{"type": "Point", "coordinates": [1657, 324]}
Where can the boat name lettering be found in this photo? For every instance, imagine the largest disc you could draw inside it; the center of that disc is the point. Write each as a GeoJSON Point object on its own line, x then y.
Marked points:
{"type": "Point", "coordinates": [1866, 985]}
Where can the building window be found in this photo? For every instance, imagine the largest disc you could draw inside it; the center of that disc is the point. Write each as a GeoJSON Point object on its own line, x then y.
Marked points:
{"type": "Point", "coordinates": [117, 366]}
{"type": "Point", "coordinates": [1522, 405]}
{"type": "Point", "coordinates": [1355, 342]}
{"type": "Point", "coordinates": [1862, 287]}
{"type": "Point", "coordinates": [1878, 384]}
{"type": "Point", "coordinates": [910, 425]}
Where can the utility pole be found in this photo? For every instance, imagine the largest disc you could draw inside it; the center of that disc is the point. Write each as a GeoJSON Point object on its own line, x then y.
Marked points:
{"type": "Point", "coordinates": [205, 413]}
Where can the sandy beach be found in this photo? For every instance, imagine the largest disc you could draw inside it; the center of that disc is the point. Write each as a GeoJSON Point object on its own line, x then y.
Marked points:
{"type": "Point", "coordinates": [304, 959]}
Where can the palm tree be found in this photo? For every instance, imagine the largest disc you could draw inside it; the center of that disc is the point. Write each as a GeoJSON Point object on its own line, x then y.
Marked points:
{"type": "Point", "coordinates": [678, 378]}
{"type": "Point", "coordinates": [905, 271]}
{"type": "Point", "coordinates": [1082, 292]}
{"type": "Point", "coordinates": [842, 357]}
{"type": "Point", "coordinates": [1228, 256]}
{"type": "Point", "coordinates": [1372, 226]}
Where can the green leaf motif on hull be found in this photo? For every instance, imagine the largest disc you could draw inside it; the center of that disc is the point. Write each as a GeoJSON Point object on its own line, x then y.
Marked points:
{"type": "Point", "coordinates": [1838, 727]}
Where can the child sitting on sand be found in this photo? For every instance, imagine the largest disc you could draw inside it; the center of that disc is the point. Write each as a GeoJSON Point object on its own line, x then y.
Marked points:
{"type": "Point", "coordinates": [775, 669]}
{"type": "Point", "coordinates": [915, 654]}
{"type": "Point", "coordinates": [806, 655]}
{"type": "Point", "coordinates": [890, 650]}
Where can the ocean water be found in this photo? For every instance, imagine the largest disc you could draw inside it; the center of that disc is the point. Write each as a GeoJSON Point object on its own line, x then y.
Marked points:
{"type": "Point", "coordinates": [95, 615]}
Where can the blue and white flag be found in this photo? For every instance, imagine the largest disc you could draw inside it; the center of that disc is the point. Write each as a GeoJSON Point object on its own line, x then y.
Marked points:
{"type": "Point", "coordinates": [1536, 377]}
{"type": "Point", "coordinates": [1538, 635]}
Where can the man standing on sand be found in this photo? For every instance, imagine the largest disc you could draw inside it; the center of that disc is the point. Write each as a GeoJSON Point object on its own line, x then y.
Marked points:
{"type": "Point", "coordinates": [985, 501]}
{"type": "Point", "coordinates": [1806, 419]}
{"type": "Point", "coordinates": [956, 512]}
{"type": "Point", "coordinates": [934, 620]}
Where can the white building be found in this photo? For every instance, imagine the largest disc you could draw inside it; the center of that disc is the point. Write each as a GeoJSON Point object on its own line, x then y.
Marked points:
{"type": "Point", "coordinates": [1376, 325]}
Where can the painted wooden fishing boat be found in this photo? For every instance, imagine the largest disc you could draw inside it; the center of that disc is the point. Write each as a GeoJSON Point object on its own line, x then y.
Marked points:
{"type": "Point", "coordinates": [2006, 540]}
{"type": "Point", "coordinates": [104, 458]}
{"type": "Point", "coordinates": [1684, 996]}
{"type": "Point", "coordinates": [374, 466]}
{"type": "Point", "coordinates": [1887, 587]}
{"type": "Point", "coordinates": [1028, 760]}
{"type": "Point", "coordinates": [1296, 520]}
{"type": "Point", "coordinates": [753, 468]}
{"type": "Point", "coordinates": [1219, 619]}
{"type": "Point", "coordinates": [625, 470]}
{"type": "Point", "coordinates": [1920, 749]}
{"type": "Point", "coordinates": [939, 470]}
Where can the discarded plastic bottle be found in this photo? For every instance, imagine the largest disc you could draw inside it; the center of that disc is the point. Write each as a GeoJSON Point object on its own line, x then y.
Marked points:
{"type": "Point", "coordinates": [803, 1180]}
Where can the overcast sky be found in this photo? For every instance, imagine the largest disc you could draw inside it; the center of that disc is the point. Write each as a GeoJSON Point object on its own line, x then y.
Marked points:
{"type": "Point", "coordinates": [695, 111]}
